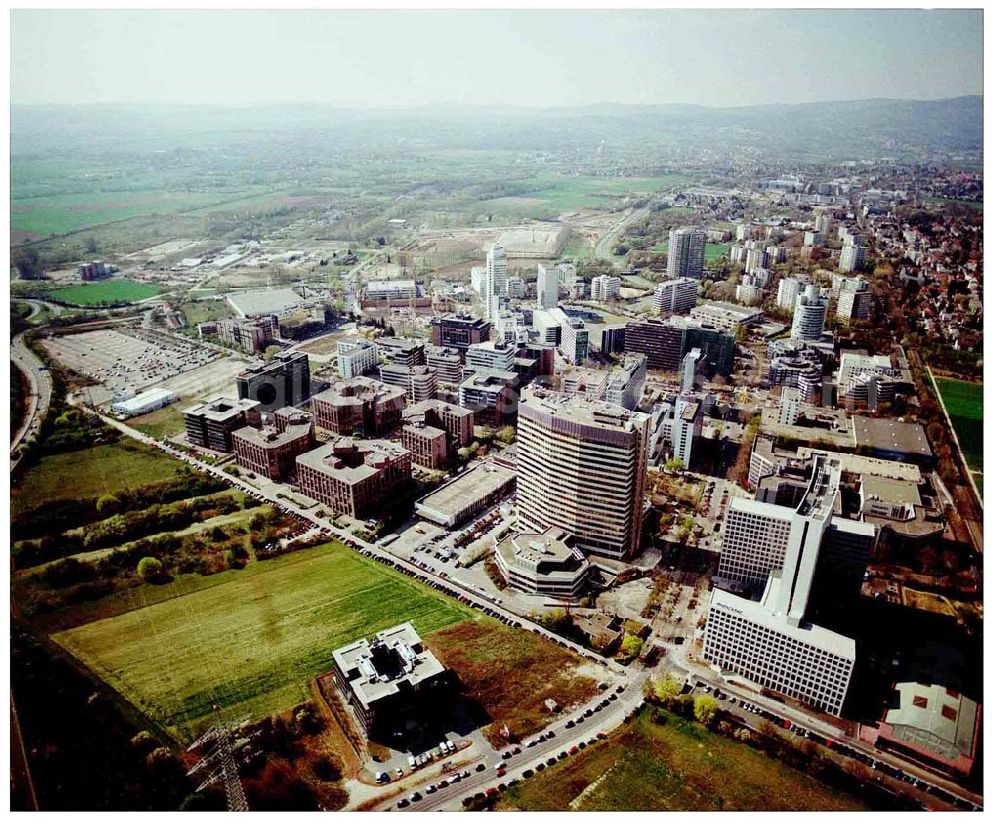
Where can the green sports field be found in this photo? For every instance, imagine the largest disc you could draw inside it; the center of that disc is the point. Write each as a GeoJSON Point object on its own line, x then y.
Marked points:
{"type": "Point", "coordinates": [108, 291]}
{"type": "Point", "coordinates": [251, 643]}
{"type": "Point", "coordinates": [964, 402]}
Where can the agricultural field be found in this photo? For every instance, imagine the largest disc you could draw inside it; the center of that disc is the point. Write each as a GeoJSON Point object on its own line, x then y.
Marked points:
{"type": "Point", "coordinates": [252, 642]}
{"type": "Point", "coordinates": [562, 192]}
{"type": "Point", "coordinates": [484, 654]}
{"type": "Point", "coordinates": [964, 402]}
{"type": "Point", "coordinates": [105, 292]}
{"type": "Point", "coordinates": [58, 214]}
{"type": "Point", "coordinates": [100, 470]}
{"type": "Point", "coordinates": [676, 765]}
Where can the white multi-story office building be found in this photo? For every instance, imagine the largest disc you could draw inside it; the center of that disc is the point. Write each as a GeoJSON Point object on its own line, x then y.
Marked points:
{"type": "Point", "coordinates": [543, 563]}
{"type": "Point", "coordinates": [752, 640]}
{"type": "Point", "coordinates": [419, 382]}
{"type": "Point", "coordinates": [686, 255]}
{"type": "Point", "coordinates": [490, 356]}
{"type": "Point", "coordinates": [355, 357]}
{"type": "Point", "coordinates": [494, 278]}
{"type": "Point", "coordinates": [516, 287]}
{"type": "Point", "coordinates": [788, 412]}
{"type": "Point", "coordinates": [605, 287]}
{"type": "Point", "coordinates": [549, 277]}
{"type": "Point", "coordinates": [569, 334]}
{"type": "Point", "coordinates": [581, 466]}
{"type": "Point", "coordinates": [810, 314]}
{"type": "Point", "coordinates": [625, 384]}
{"type": "Point", "coordinates": [822, 224]}
{"type": "Point", "coordinates": [676, 297]}
{"type": "Point", "coordinates": [687, 424]}
{"type": "Point", "coordinates": [782, 551]}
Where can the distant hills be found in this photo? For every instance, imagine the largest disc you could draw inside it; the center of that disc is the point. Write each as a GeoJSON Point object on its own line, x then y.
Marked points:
{"type": "Point", "coordinates": [833, 130]}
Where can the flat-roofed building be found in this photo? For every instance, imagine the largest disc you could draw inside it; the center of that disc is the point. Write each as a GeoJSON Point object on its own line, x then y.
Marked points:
{"type": "Point", "coordinates": [360, 405]}
{"type": "Point", "coordinates": [676, 297]}
{"type": "Point", "coordinates": [355, 357]}
{"type": "Point", "coordinates": [446, 362]}
{"type": "Point", "coordinates": [270, 452]}
{"type": "Point", "coordinates": [148, 401]}
{"type": "Point", "coordinates": [285, 381]}
{"type": "Point", "coordinates": [753, 640]}
{"type": "Point", "coordinates": [353, 477]}
{"type": "Point", "coordinates": [784, 551]}
{"type": "Point", "coordinates": [250, 335]}
{"type": "Point", "coordinates": [726, 317]}
{"type": "Point", "coordinates": [581, 467]}
{"type": "Point", "coordinates": [932, 724]}
{"type": "Point", "coordinates": [625, 384]}
{"type": "Point", "coordinates": [605, 287]}
{"type": "Point", "coordinates": [492, 396]}
{"type": "Point", "coordinates": [549, 277]}
{"type": "Point", "coordinates": [401, 351]}
{"type": "Point", "coordinates": [854, 299]}
{"type": "Point", "coordinates": [428, 445]}
{"type": "Point", "coordinates": [613, 339]}
{"type": "Point", "coordinates": [490, 356]}
{"type": "Point", "coordinates": [543, 563]}
{"type": "Point", "coordinates": [686, 253]}
{"type": "Point", "coordinates": [865, 379]}
{"type": "Point", "coordinates": [591, 384]}
{"type": "Point", "coordinates": [459, 331]}
{"type": "Point", "coordinates": [211, 424]}
{"type": "Point", "coordinates": [457, 422]}
{"type": "Point", "coordinates": [388, 678]}
{"type": "Point", "coordinates": [391, 290]}
{"type": "Point", "coordinates": [418, 382]}
{"type": "Point", "coordinates": [457, 501]}
{"type": "Point", "coordinates": [660, 342]}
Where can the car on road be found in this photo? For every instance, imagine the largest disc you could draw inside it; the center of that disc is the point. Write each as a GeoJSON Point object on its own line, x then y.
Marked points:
{"type": "Point", "coordinates": [403, 802]}
{"type": "Point", "coordinates": [415, 796]}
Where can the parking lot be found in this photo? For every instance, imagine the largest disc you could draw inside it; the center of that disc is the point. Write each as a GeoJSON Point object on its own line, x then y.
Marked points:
{"type": "Point", "coordinates": [135, 359]}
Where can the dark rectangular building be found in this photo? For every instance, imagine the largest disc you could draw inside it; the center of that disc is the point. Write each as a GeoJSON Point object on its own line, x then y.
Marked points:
{"type": "Point", "coordinates": [285, 381]}
{"type": "Point", "coordinates": [459, 331]}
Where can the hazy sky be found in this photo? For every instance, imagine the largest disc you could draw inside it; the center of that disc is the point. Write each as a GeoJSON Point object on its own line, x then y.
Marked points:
{"type": "Point", "coordinates": [535, 58]}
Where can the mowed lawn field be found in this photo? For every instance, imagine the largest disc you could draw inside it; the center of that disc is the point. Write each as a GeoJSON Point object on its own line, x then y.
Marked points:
{"type": "Point", "coordinates": [676, 765]}
{"type": "Point", "coordinates": [100, 470]}
{"type": "Point", "coordinates": [108, 291]}
{"type": "Point", "coordinates": [964, 402]}
{"type": "Point", "coordinates": [251, 643]}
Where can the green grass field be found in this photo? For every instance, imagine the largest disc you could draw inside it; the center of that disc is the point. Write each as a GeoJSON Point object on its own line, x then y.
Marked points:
{"type": "Point", "coordinates": [677, 765]}
{"type": "Point", "coordinates": [566, 192]}
{"type": "Point", "coordinates": [252, 642]}
{"type": "Point", "coordinates": [92, 472]}
{"type": "Point", "coordinates": [57, 214]}
{"type": "Point", "coordinates": [108, 291]}
{"type": "Point", "coordinates": [964, 402]}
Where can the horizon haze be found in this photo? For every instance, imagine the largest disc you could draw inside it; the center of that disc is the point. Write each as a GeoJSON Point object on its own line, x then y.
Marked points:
{"type": "Point", "coordinates": [527, 58]}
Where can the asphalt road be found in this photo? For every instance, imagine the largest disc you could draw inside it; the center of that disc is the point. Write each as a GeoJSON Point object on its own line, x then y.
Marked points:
{"type": "Point", "coordinates": [602, 721]}
{"type": "Point", "coordinates": [39, 391]}
{"type": "Point", "coordinates": [603, 247]}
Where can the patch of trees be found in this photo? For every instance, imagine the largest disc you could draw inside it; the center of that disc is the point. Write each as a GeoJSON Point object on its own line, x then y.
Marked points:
{"type": "Point", "coordinates": [84, 753]}
{"type": "Point", "coordinates": [61, 514]}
